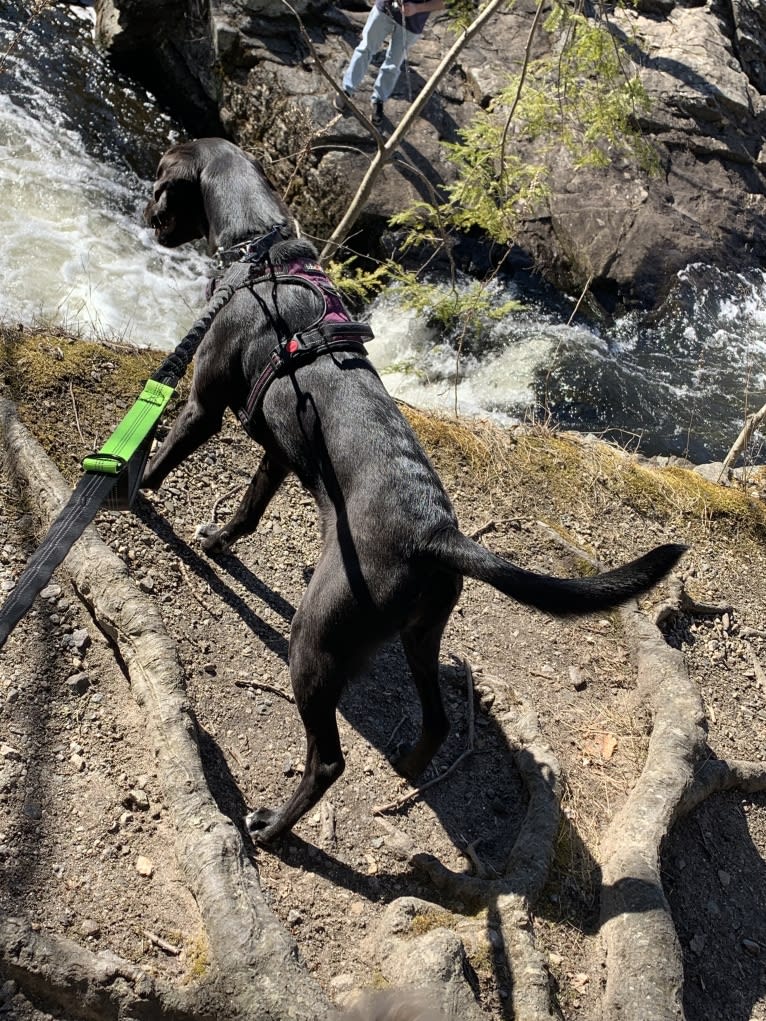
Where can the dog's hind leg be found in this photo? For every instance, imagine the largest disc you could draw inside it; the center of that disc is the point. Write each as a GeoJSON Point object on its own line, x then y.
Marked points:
{"type": "Point", "coordinates": [421, 641]}
{"type": "Point", "coordinates": [266, 481]}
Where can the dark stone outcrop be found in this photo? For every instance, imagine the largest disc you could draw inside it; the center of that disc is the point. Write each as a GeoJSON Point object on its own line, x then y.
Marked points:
{"type": "Point", "coordinates": [621, 231]}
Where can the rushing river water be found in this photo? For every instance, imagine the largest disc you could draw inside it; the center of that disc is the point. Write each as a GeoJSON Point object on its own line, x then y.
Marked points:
{"type": "Point", "coordinates": [78, 145]}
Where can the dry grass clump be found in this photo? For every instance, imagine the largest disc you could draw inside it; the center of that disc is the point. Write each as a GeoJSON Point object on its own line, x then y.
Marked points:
{"type": "Point", "coordinates": [530, 468]}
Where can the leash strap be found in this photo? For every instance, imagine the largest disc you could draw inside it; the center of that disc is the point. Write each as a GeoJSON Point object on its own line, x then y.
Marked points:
{"type": "Point", "coordinates": [81, 508]}
{"type": "Point", "coordinates": [113, 474]}
{"type": "Point", "coordinates": [125, 453]}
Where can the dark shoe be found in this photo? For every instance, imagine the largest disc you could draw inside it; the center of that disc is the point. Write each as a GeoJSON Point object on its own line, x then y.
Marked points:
{"type": "Point", "coordinates": [340, 102]}
{"type": "Point", "coordinates": [377, 112]}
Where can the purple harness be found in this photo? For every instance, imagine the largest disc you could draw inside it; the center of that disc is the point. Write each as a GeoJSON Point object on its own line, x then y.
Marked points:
{"type": "Point", "coordinates": [333, 330]}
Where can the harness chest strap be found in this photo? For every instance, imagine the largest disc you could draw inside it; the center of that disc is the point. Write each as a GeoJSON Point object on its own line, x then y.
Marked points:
{"type": "Point", "coordinates": [332, 331]}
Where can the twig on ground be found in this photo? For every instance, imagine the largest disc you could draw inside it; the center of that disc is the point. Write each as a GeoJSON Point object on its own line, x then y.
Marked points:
{"type": "Point", "coordinates": [262, 686]}
{"type": "Point", "coordinates": [403, 799]}
{"type": "Point", "coordinates": [327, 824]}
{"type": "Point", "coordinates": [76, 416]}
{"type": "Point", "coordinates": [221, 499]}
{"type": "Point", "coordinates": [395, 731]}
{"type": "Point", "coordinates": [162, 944]}
{"type": "Point", "coordinates": [760, 673]}
{"type": "Point", "coordinates": [185, 573]}
{"type": "Point", "coordinates": [391, 806]}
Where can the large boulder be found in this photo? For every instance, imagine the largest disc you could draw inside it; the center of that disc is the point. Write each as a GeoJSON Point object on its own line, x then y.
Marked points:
{"type": "Point", "coordinates": [619, 231]}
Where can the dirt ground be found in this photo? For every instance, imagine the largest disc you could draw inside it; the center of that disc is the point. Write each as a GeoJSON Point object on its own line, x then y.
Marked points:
{"type": "Point", "coordinates": [86, 845]}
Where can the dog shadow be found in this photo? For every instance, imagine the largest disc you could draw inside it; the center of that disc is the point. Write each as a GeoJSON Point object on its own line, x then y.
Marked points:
{"type": "Point", "coordinates": [480, 806]}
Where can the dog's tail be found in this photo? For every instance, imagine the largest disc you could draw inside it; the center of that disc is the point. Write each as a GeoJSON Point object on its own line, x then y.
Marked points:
{"type": "Point", "coordinates": [559, 596]}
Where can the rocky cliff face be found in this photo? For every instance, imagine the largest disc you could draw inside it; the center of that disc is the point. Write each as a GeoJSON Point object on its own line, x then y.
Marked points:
{"type": "Point", "coordinates": [244, 66]}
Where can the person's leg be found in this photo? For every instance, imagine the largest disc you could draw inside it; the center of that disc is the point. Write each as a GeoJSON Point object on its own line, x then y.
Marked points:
{"type": "Point", "coordinates": [376, 30]}
{"type": "Point", "coordinates": [401, 41]}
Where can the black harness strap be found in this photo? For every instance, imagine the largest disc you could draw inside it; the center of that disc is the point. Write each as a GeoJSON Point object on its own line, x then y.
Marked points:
{"type": "Point", "coordinates": [96, 488]}
{"type": "Point", "coordinates": [333, 330]}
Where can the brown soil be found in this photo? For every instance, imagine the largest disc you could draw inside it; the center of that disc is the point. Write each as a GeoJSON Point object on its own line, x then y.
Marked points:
{"type": "Point", "coordinates": [85, 841]}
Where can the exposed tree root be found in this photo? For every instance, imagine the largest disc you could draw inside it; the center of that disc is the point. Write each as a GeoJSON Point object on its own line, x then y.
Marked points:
{"type": "Point", "coordinates": [644, 963]}
{"type": "Point", "coordinates": [510, 898]}
{"type": "Point", "coordinates": [252, 954]}
{"type": "Point", "coordinates": [254, 972]}
{"type": "Point", "coordinates": [60, 975]}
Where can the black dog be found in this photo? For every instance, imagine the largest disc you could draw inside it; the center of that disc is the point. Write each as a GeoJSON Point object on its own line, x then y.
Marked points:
{"type": "Point", "coordinates": [393, 559]}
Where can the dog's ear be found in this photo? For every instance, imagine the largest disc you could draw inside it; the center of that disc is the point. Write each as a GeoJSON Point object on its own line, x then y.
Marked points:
{"type": "Point", "coordinates": [238, 198]}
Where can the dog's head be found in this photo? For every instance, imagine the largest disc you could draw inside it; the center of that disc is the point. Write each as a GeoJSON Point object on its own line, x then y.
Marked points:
{"type": "Point", "coordinates": [210, 188]}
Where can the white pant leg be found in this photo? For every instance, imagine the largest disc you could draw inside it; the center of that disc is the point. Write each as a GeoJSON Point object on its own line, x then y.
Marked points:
{"type": "Point", "coordinates": [388, 75]}
{"type": "Point", "coordinates": [376, 30]}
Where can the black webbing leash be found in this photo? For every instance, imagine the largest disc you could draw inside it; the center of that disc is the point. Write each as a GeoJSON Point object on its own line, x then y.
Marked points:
{"type": "Point", "coordinates": [110, 476]}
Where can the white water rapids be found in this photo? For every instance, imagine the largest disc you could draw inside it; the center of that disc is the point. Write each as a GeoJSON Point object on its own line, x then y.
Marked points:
{"type": "Point", "coordinates": [77, 147]}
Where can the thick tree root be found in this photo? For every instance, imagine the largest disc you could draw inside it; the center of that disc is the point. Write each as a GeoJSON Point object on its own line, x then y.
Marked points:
{"type": "Point", "coordinates": [60, 975]}
{"type": "Point", "coordinates": [509, 900]}
{"type": "Point", "coordinates": [644, 963]}
{"type": "Point", "coordinates": [254, 971]}
{"type": "Point", "coordinates": [253, 956]}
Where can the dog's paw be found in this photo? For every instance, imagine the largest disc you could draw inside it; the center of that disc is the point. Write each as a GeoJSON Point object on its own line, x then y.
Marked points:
{"type": "Point", "coordinates": [212, 539]}
{"type": "Point", "coordinates": [263, 825]}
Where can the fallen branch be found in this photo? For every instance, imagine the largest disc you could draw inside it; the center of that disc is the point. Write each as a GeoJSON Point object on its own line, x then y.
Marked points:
{"type": "Point", "coordinates": [261, 686]}
{"type": "Point", "coordinates": [162, 944]}
{"type": "Point", "coordinates": [752, 422]}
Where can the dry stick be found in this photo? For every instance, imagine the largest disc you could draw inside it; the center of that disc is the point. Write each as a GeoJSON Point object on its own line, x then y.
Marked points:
{"type": "Point", "coordinates": [222, 499]}
{"type": "Point", "coordinates": [524, 68]}
{"type": "Point", "coordinates": [751, 424]}
{"type": "Point", "coordinates": [266, 687]}
{"type": "Point", "coordinates": [252, 954]}
{"type": "Point", "coordinates": [760, 673]}
{"type": "Point", "coordinates": [580, 300]}
{"type": "Point", "coordinates": [386, 149]}
{"type": "Point", "coordinates": [76, 416]}
{"type": "Point", "coordinates": [162, 944]}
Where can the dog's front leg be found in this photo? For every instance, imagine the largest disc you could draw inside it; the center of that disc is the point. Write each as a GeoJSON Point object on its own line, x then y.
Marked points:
{"type": "Point", "coordinates": [194, 426]}
{"type": "Point", "coordinates": [268, 478]}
